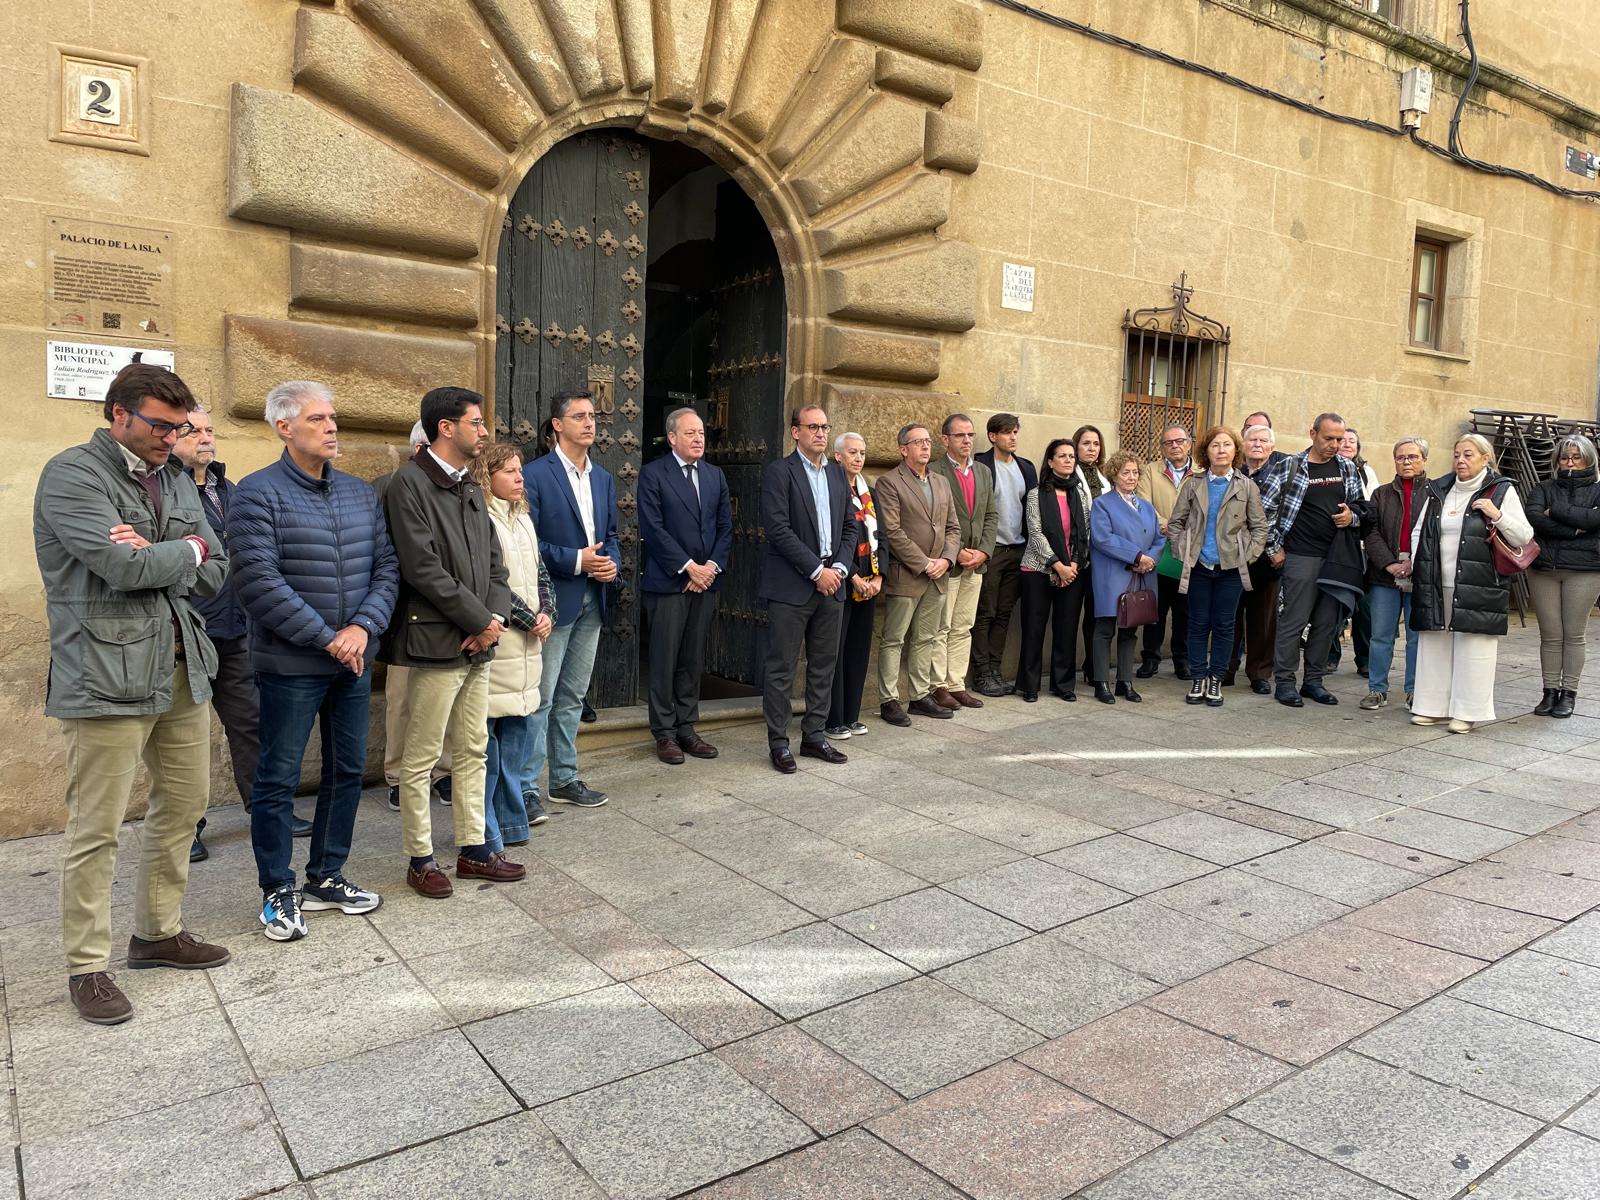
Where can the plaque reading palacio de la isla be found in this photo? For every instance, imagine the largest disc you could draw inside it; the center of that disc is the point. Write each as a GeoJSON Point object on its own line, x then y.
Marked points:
{"type": "Point", "coordinates": [110, 280]}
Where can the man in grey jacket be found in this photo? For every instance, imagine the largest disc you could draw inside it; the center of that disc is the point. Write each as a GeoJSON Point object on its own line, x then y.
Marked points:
{"type": "Point", "coordinates": [121, 546]}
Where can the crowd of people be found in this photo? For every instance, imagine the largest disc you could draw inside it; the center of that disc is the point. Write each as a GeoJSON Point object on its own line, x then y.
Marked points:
{"type": "Point", "coordinates": [484, 582]}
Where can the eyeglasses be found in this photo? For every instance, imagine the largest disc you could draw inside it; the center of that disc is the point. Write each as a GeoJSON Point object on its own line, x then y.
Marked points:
{"type": "Point", "coordinates": [163, 429]}
{"type": "Point", "coordinates": [586, 418]}
{"type": "Point", "coordinates": [1183, 441]}
{"type": "Point", "coordinates": [918, 442]}
{"type": "Point", "coordinates": [1399, 458]}
{"type": "Point", "coordinates": [815, 428]}
{"type": "Point", "coordinates": [476, 422]}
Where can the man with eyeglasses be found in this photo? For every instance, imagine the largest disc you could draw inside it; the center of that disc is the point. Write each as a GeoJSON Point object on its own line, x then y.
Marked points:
{"type": "Point", "coordinates": [1397, 508]}
{"type": "Point", "coordinates": [453, 605]}
{"type": "Point", "coordinates": [1159, 484]}
{"type": "Point", "coordinates": [573, 503]}
{"type": "Point", "coordinates": [122, 545]}
{"type": "Point", "coordinates": [811, 539]}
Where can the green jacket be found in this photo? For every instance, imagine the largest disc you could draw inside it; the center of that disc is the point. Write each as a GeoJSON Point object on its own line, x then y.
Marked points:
{"type": "Point", "coordinates": [979, 526]}
{"type": "Point", "coordinates": [111, 607]}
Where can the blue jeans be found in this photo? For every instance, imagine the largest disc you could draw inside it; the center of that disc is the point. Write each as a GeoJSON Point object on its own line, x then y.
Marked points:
{"type": "Point", "coordinates": [505, 816]}
{"type": "Point", "coordinates": [1213, 608]}
{"type": "Point", "coordinates": [289, 704]}
{"type": "Point", "coordinates": [568, 654]}
{"type": "Point", "coordinates": [1389, 605]}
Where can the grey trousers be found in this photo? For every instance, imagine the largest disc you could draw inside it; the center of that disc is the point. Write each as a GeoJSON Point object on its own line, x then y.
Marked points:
{"type": "Point", "coordinates": [238, 705]}
{"type": "Point", "coordinates": [791, 628]}
{"type": "Point", "coordinates": [679, 622]}
{"type": "Point", "coordinates": [1563, 601]}
{"type": "Point", "coordinates": [1105, 629]}
{"type": "Point", "coordinates": [1302, 602]}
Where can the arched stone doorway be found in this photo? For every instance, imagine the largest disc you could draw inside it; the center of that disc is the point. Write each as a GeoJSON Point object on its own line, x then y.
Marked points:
{"type": "Point", "coordinates": [640, 270]}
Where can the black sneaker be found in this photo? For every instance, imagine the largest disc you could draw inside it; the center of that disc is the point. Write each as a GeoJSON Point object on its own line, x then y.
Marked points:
{"type": "Point", "coordinates": [1213, 693]}
{"type": "Point", "coordinates": [991, 685]}
{"type": "Point", "coordinates": [394, 799]}
{"type": "Point", "coordinates": [300, 827]}
{"type": "Point", "coordinates": [579, 793]}
{"type": "Point", "coordinates": [198, 851]}
{"type": "Point", "coordinates": [338, 892]}
{"type": "Point", "coordinates": [588, 716]}
{"type": "Point", "coordinates": [443, 790]}
{"type": "Point", "coordinates": [536, 812]}
{"type": "Point", "coordinates": [1197, 692]}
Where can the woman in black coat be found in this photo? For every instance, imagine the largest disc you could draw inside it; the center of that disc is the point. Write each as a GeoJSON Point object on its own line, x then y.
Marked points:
{"type": "Point", "coordinates": [1565, 579]}
{"type": "Point", "coordinates": [1055, 576]}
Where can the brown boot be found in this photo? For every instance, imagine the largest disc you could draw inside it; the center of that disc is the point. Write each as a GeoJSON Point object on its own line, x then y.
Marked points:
{"type": "Point", "coordinates": [98, 999]}
{"type": "Point", "coordinates": [943, 698]}
{"type": "Point", "coordinates": [496, 869]}
{"type": "Point", "coordinates": [966, 699]}
{"type": "Point", "coordinates": [183, 951]}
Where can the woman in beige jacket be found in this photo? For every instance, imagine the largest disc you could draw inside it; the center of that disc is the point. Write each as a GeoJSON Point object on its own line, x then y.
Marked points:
{"type": "Point", "coordinates": [512, 803]}
{"type": "Point", "coordinates": [1217, 528]}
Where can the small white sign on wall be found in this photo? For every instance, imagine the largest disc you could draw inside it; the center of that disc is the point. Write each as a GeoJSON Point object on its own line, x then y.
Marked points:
{"type": "Point", "coordinates": [1016, 287]}
{"type": "Point", "coordinates": [83, 370]}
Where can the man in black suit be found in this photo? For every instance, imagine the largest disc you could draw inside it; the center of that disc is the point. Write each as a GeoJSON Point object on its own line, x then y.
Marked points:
{"type": "Point", "coordinates": [1014, 477]}
{"type": "Point", "coordinates": [811, 538]}
{"type": "Point", "coordinates": [686, 529]}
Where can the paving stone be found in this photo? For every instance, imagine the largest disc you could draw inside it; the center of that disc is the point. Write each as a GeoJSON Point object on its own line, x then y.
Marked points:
{"type": "Point", "coordinates": [338, 946]}
{"type": "Point", "coordinates": [1503, 812]}
{"type": "Point", "coordinates": [938, 855]}
{"type": "Point", "coordinates": [1009, 1133]}
{"type": "Point", "coordinates": [1452, 923]}
{"type": "Point", "coordinates": [614, 942]}
{"type": "Point", "coordinates": [725, 914]}
{"type": "Point", "coordinates": [1107, 804]}
{"type": "Point", "coordinates": [64, 1085]}
{"type": "Point", "coordinates": [808, 969]}
{"type": "Point", "coordinates": [1537, 987]}
{"type": "Point", "coordinates": [1297, 1020]}
{"type": "Point", "coordinates": [476, 982]}
{"type": "Point", "coordinates": [1525, 889]}
{"type": "Point", "coordinates": [852, 1166]}
{"type": "Point", "coordinates": [1586, 1119]}
{"type": "Point", "coordinates": [1230, 1161]}
{"type": "Point", "coordinates": [675, 1128]}
{"type": "Point", "coordinates": [1579, 941]}
{"type": "Point", "coordinates": [1214, 839]}
{"type": "Point", "coordinates": [1159, 1071]}
{"type": "Point", "coordinates": [1382, 783]}
{"type": "Point", "coordinates": [1559, 1166]}
{"type": "Point", "coordinates": [1530, 785]}
{"type": "Point", "coordinates": [555, 1049]}
{"type": "Point", "coordinates": [1585, 828]}
{"type": "Point", "coordinates": [1416, 1136]}
{"type": "Point", "coordinates": [1036, 894]}
{"type": "Point", "coordinates": [1130, 865]}
{"type": "Point", "coordinates": [827, 1092]}
{"type": "Point", "coordinates": [1555, 737]}
{"type": "Point", "coordinates": [1046, 984]}
{"type": "Point", "coordinates": [1511, 1062]}
{"type": "Point", "coordinates": [1332, 874]}
{"type": "Point", "coordinates": [751, 847]}
{"type": "Point", "coordinates": [919, 1035]}
{"type": "Point", "coordinates": [412, 926]}
{"type": "Point", "coordinates": [930, 928]}
{"type": "Point", "coordinates": [1031, 828]}
{"type": "Point", "coordinates": [1370, 963]}
{"type": "Point", "coordinates": [836, 881]}
{"type": "Point", "coordinates": [1438, 834]}
{"type": "Point", "coordinates": [1558, 855]}
{"type": "Point", "coordinates": [1157, 942]}
{"type": "Point", "coordinates": [1407, 858]}
{"type": "Point", "coordinates": [708, 1007]}
{"type": "Point", "coordinates": [1442, 768]}
{"type": "Point", "coordinates": [355, 1013]}
{"type": "Point", "coordinates": [511, 1159]}
{"type": "Point", "coordinates": [219, 1147]}
{"type": "Point", "coordinates": [1250, 906]}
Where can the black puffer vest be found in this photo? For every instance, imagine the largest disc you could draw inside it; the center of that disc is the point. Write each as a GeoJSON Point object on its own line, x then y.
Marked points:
{"type": "Point", "coordinates": [1482, 596]}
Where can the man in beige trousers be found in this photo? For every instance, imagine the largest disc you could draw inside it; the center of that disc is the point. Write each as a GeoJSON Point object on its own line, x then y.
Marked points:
{"type": "Point", "coordinates": [917, 521]}
{"type": "Point", "coordinates": [972, 489]}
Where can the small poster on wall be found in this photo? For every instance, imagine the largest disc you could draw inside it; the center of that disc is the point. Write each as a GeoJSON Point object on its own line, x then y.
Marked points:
{"type": "Point", "coordinates": [83, 370]}
{"type": "Point", "coordinates": [1016, 287]}
{"type": "Point", "coordinates": [110, 280]}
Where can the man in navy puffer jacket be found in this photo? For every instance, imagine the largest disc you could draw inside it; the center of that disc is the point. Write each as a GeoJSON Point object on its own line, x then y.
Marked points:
{"type": "Point", "coordinates": [316, 572]}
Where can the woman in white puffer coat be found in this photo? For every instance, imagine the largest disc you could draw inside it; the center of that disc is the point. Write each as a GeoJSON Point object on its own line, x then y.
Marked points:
{"type": "Point", "coordinates": [512, 803]}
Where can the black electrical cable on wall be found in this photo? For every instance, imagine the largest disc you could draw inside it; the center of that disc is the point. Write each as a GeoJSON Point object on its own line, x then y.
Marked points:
{"type": "Point", "coordinates": [1452, 153]}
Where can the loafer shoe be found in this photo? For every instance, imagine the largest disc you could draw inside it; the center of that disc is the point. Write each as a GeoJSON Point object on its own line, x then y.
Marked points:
{"type": "Point", "coordinates": [782, 761]}
{"type": "Point", "coordinates": [98, 999]}
{"type": "Point", "coordinates": [1147, 669]}
{"type": "Point", "coordinates": [1289, 698]}
{"type": "Point", "coordinates": [183, 951]}
{"type": "Point", "coordinates": [429, 881]}
{"type": "Point", "coordinates": [1261, 687]}
{"type": "Point", "coordinates": [497, 868]}
{"type": "Point", "coordinates": [823, 751]}
{"type": "Point", "coordinates": [1316, 692]}
{"type": "Point", "coordinates": [696, 746]}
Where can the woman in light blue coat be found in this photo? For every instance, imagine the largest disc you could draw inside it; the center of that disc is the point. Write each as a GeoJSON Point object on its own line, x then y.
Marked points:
{"type": "Point", "coordinates": [1125, 540]}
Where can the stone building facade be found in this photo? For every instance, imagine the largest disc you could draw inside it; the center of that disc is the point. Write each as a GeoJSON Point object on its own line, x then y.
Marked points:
{"type": "Point", "coordinates": [964, 203]}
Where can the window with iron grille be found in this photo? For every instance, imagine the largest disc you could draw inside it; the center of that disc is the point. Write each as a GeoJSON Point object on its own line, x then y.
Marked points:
{"type": "Point", "coordinates": [1175, 372]}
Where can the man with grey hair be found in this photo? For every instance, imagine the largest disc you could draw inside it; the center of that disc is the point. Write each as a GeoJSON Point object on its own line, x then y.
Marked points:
{"type": "Point", "coordinates": [1397, 507]}
{"type": "Point", "coordinates": [972, 490]}
{"type": "Point", "coordinates": [1159, 483]}
{"type": "Point", "coordinates": [317, 575]}
{"type": "Point", "coordinates": [686, 534]}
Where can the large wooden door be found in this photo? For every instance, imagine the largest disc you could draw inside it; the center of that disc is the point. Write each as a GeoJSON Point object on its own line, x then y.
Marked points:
{"type": "Point", "coordinates": [570, 314]}
{"type": "Point", "coordinates": [746, 420]}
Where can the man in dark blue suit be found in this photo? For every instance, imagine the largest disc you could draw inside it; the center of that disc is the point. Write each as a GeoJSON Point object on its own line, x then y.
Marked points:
{"type": "Point", "coordinates": [811, 538]}
{"type": "Point", "coordinates": [686, 529]}
{"type": "Point", "coordinates": [573, 504]}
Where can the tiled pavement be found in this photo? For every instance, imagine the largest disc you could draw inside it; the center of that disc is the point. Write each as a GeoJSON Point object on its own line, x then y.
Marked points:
{"type": "Point", "coordinates": [1037, 951]}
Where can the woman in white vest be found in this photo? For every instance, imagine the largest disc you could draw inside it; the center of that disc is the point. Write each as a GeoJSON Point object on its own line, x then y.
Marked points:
{"type": "Point", "coordinates": [512, 803]}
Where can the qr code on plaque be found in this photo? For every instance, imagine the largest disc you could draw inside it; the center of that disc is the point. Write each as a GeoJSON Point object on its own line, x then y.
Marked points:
{"type": "Point", "coordinates": [110, 320]}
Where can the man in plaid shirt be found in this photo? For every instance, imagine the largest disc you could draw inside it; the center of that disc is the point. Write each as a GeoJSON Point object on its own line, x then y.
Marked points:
{"type": "Point", "coordinates": [1309, 497]}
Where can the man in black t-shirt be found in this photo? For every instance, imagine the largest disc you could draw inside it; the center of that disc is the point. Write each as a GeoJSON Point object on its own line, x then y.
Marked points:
{"type": "Point", "coordinates": [1308, 497]}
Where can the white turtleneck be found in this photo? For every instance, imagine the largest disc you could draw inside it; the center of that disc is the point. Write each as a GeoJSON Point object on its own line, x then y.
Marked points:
{"type": "Point", "coordinates": [1513, 523]}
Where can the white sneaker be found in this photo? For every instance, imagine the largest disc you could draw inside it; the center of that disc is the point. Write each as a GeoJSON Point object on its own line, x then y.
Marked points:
{"type": "Point", "coordinates": [1427, 720]}
{"type": "Point", "coordinates": [1460, 726]}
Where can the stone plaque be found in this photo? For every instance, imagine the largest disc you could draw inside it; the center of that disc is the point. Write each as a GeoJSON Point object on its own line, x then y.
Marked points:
{"type": "Point", "coordinates": [83, 370]}
{"type": "Point", "coordinates": [99, 99]}
{"type": "Point", "coordinates": [1016, 287]}
{"type": "Point", "coordinates": [109, 280]}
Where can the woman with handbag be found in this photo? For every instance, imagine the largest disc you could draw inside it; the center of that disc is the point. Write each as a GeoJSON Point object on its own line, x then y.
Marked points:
{"type": "Point", "coordinates": [1217, 528]}
{"type": "Point", "coordinates": [1055, 564]}
{"type": "Point", "coordinates": [866, 581]}
{"type": "Point", "coordinates": [1565, 580]}
{"type": "Point", "coordinates": [1124, 538]}
{"type": "Point", "coordinates": [1468, 542]}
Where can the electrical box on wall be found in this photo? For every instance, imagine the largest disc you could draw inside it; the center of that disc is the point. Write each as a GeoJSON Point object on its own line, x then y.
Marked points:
{"type": "Point", "coordinates": [1416, 96]}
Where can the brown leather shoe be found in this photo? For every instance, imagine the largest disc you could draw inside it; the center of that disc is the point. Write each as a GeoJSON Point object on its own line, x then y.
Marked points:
{"type": "Point", "coordinates": [696, 746]}
{"type": "Point", "coordinates": [183, 950]}
{"type": "Point", "coordinates": [943, 698]}
{"type": "Point", "coordinates": [966, 699]}
{"type": "Point", "coordinates": [499, 869]}
{"type": "Point", "coordinates": [667, 751]}
{"type": "Point", "coordinates": [430, 881]}
{"type": "Point", "coordinates": [98, 999]}
{"type": "Point", "coordinates": [929, 707]}
{"type": "Point", "coordinates": [892, 712]}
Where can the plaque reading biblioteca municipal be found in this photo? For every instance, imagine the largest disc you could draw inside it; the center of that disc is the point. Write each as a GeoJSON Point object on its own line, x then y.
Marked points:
{"type": "Point", "coordinates": [110, 280]}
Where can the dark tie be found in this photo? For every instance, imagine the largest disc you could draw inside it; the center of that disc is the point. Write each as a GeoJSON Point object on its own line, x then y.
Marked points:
{"type": "Point", "coordinates": [690, 474]}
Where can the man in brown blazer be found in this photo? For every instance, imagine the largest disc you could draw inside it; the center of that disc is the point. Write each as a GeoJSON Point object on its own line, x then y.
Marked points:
{"type": "Point", "coordinates": [972, 488]}
{"type": "Point", "coordinates": [917, 522]}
